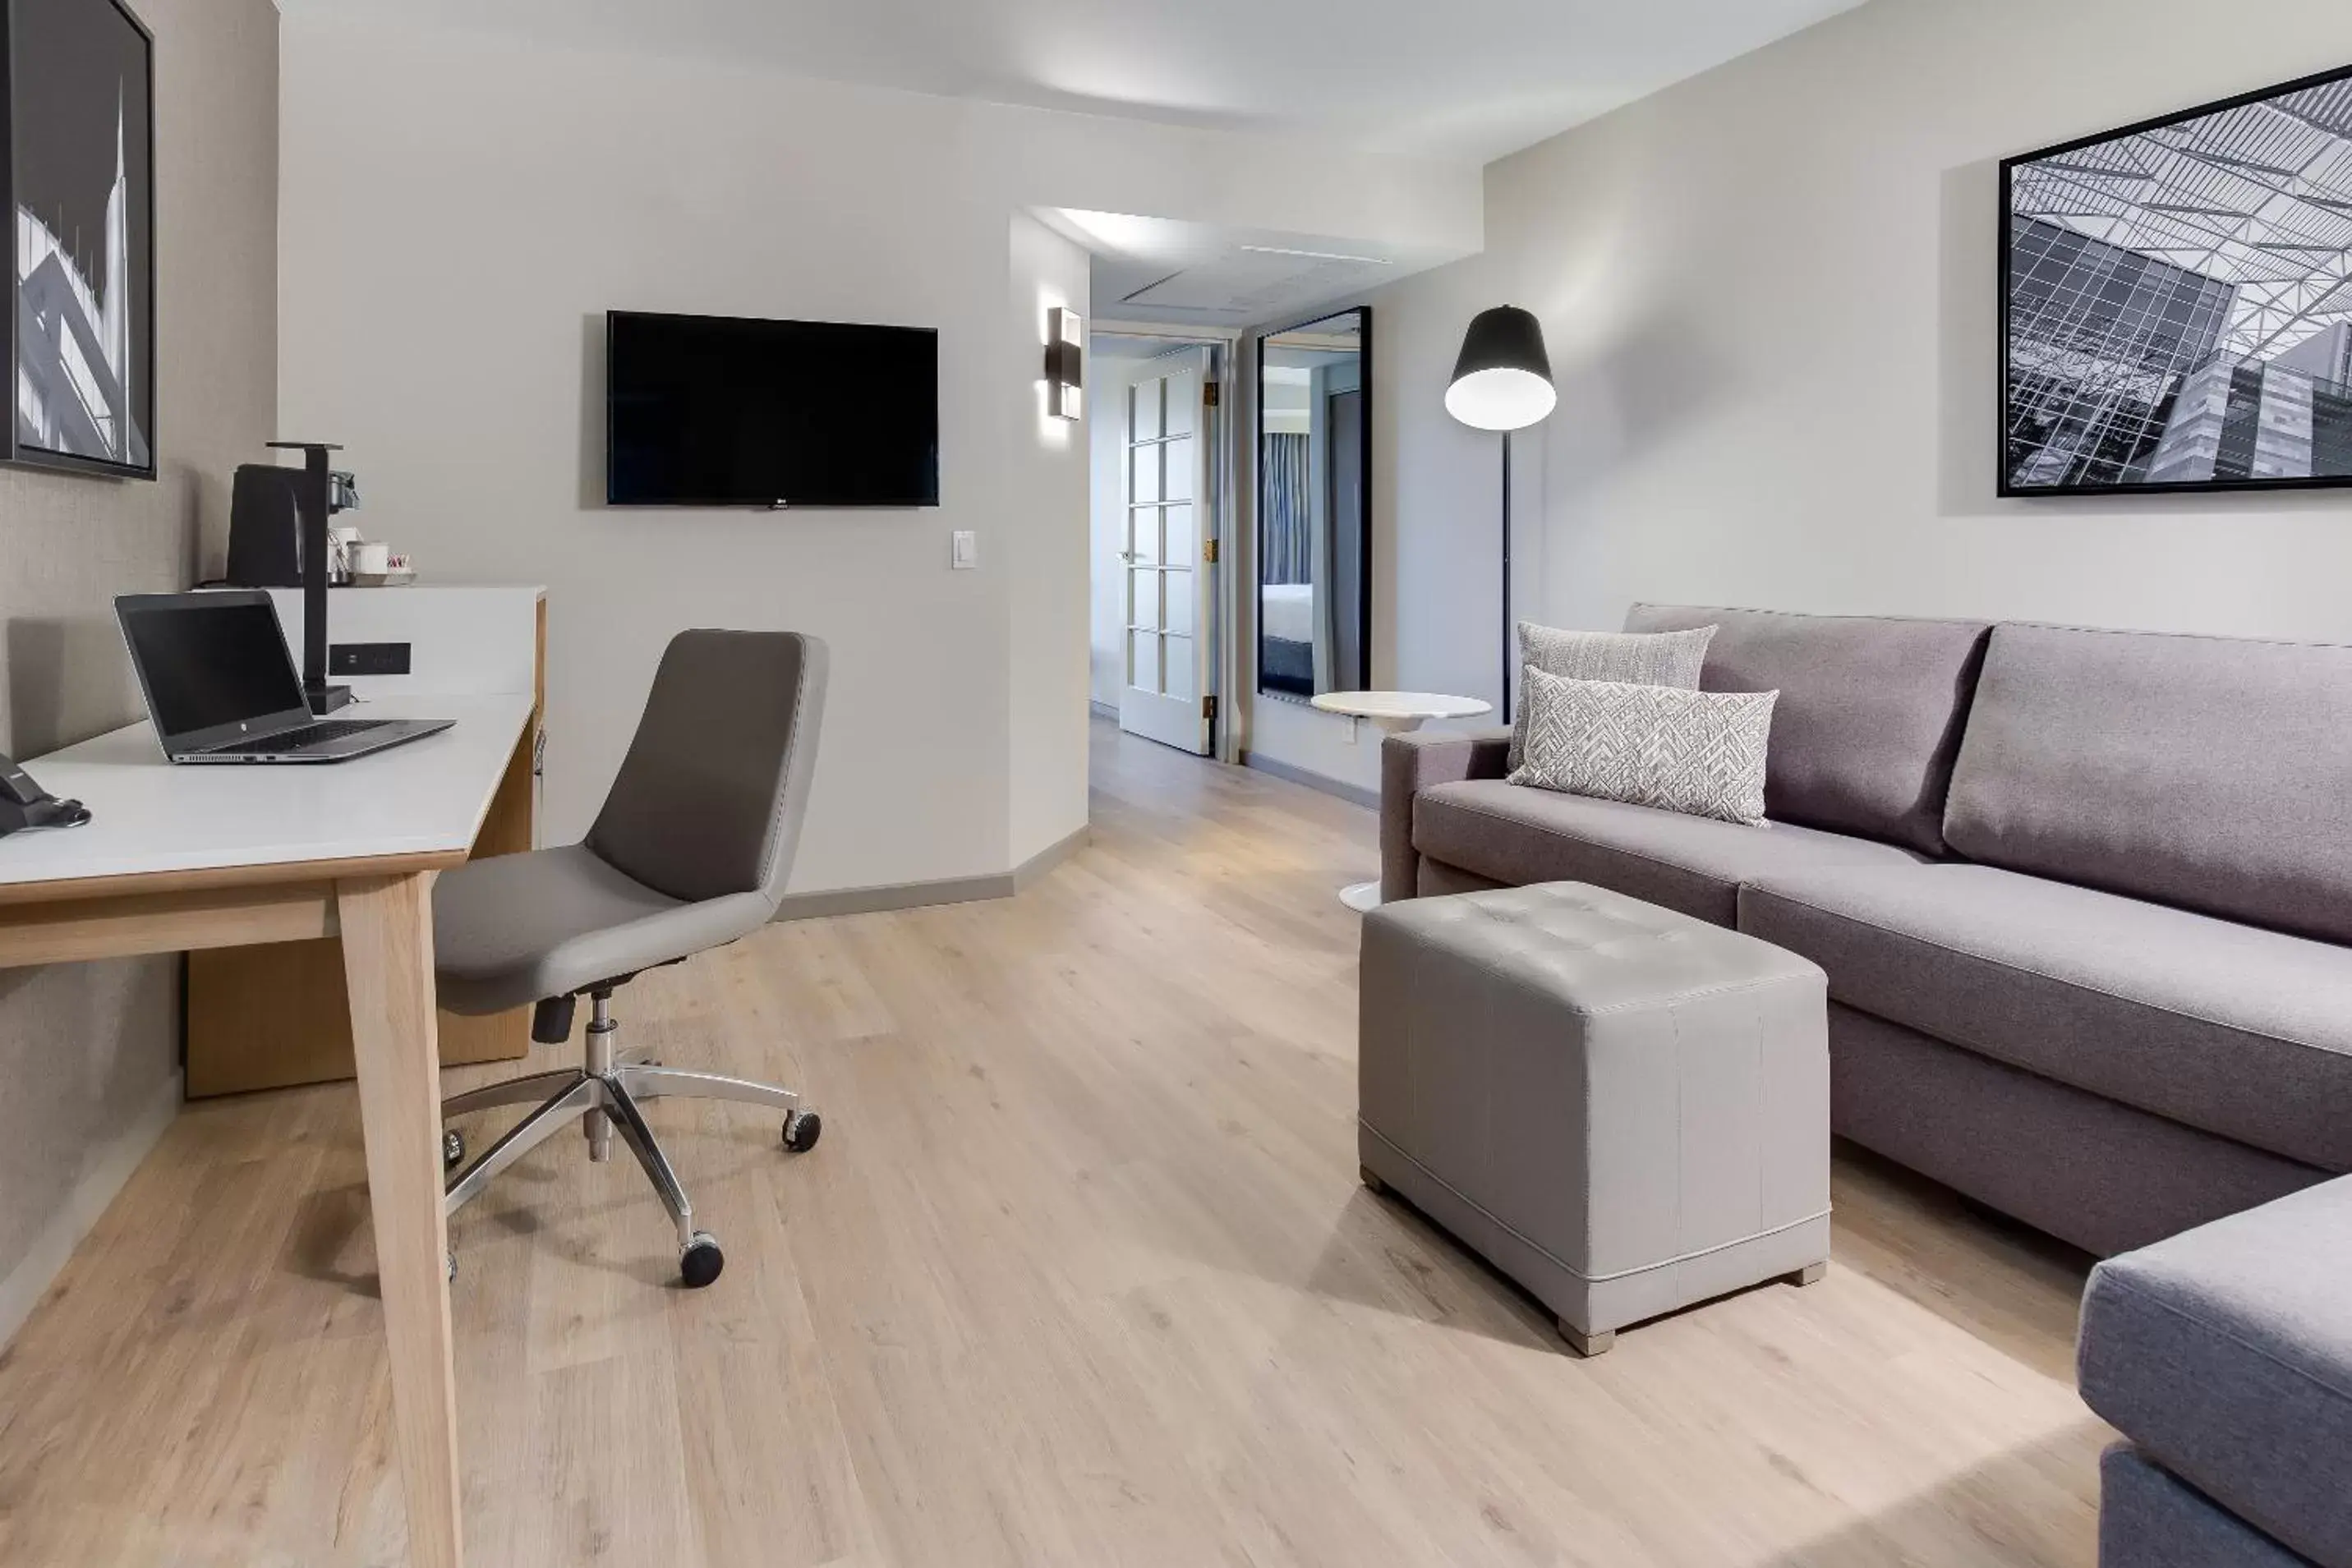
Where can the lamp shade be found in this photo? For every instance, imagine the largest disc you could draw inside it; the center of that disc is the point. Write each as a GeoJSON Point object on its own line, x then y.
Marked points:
{"type": "Point", "coordinates": [1502, 379]}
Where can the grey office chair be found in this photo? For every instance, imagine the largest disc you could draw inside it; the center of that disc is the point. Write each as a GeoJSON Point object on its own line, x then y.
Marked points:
{"type": "Point", "coordinates": [690, 852]}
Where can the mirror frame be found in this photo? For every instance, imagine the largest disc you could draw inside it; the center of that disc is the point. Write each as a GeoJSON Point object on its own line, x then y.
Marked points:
{"type": "Point", "coordinates": [1363, 676]}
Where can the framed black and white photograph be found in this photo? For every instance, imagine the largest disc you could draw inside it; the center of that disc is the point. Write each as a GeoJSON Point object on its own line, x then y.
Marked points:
{"type": "Point", "coordinates": [81, 168]}
{"type": "Point", "coordinates": [2176, 301]}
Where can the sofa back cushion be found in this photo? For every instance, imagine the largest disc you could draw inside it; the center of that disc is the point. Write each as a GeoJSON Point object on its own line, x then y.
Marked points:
{"type": "Point", "coordinates": [2207, 772]}
{"type": "Point", "coordinates": [1869, 712]}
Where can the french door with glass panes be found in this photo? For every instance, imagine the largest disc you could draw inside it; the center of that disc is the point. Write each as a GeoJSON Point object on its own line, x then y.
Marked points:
{"type": "Point", "coordinates": [1166, 555]}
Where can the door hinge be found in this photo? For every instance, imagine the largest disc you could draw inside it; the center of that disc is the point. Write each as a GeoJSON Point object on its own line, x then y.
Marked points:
{"type": "Point", "coordinates": [1209, 551]}
{"type": "Point", "coordinates": [1208, 394]}
{"type": "Point", "coordinates": [1209, 707]}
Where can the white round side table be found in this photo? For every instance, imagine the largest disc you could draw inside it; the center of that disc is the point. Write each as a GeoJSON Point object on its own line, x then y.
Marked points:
{"type": "Point", "coordinates": [1395, 712]}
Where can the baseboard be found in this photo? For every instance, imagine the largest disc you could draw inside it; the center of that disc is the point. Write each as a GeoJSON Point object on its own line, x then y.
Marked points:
{"type": "Point", "coordinates": [24, 1286]}
{"type": "Point", "coordinates": [1029, 871]}
{"type": "Point", "coordinates": [1104, 710]}
{"type": "Point", "coordinates": [1355, 794]}
{"type": "Point", "coordinates": [887, 897]}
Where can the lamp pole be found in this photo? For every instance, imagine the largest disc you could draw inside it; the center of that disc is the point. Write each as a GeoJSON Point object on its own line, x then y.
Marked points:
{"type": "Point", "coordinates": [1503, 381]}
{"type": "Point", "coordinates": [1510, 629]}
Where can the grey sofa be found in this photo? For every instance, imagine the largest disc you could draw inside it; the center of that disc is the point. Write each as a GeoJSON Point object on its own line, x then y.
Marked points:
{"type": "Point", "coordinates": [2224, 1356]}
{"type": "Point", "coordinates": [2084, 897]}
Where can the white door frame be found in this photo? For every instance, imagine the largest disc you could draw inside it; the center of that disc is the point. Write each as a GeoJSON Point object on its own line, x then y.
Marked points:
{"type": "Point", "coordinates": [1225, 476]}
{"type": "Point", "coordinates": [1168, 551]}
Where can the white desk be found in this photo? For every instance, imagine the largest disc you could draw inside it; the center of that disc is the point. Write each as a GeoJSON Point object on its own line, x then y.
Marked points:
{"type": "Point", "coordinates": [146, 816]}
{"type": "Point", "coordinates": [184, 858]}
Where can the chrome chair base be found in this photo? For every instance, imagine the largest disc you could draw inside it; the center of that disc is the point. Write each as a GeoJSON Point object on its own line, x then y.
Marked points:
{"type": "Point", "coordinates": [605, 1095]}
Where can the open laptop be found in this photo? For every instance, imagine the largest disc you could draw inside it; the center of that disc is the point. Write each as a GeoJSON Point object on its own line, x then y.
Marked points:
{"type": "Point", "coordinates": [220, 686]}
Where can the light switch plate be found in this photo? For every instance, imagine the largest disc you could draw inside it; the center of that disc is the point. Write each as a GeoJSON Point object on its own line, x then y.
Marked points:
{"type": "Point", "coordinates": [966, 550]}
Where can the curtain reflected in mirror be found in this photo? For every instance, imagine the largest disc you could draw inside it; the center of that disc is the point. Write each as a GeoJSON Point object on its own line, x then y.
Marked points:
{"type": "Point", "coordinates": [1314, 506]}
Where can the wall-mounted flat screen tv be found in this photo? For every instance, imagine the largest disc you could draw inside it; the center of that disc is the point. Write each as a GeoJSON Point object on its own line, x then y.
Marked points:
{"type": "Point", "coordinates": [718, 410]}
{"type": "Point", "coordinates": [2177, 302]}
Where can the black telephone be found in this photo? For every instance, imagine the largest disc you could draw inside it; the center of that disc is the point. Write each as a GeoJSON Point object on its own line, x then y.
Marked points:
{"type": "Point", "coordinates": [25, 805]}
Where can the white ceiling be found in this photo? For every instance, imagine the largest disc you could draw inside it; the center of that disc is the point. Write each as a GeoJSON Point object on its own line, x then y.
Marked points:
{"type": "Point", "coordinates": [1464, 79]}
{"type": "Point", "coordinates": [1173, 273]}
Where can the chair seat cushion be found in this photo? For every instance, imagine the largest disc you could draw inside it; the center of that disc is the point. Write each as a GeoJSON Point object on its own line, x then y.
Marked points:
{"type": "Point", "coordinates": [2225, 1354]}
{"type": "Point", "coordinates": [1514, 834]}
{"type": "Point", "coordinates": [2226, 1028]}
{"type": "Point", "coordinates": [514, 928]}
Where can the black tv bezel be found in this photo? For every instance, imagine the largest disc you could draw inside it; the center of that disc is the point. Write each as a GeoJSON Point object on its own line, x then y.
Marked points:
{"type": "Point", "coordinates": [775, 503]}
{"type": "Point", "coordinates": [2003, 489]}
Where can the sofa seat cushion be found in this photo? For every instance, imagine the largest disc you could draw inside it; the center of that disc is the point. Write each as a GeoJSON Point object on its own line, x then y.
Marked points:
{"type": "Point", "coordinates": [2227, 1027]}
{"type": "Point", "coordinates": [2225, 1354]}
{"type": "Point", "coordinates": [1517, 835]}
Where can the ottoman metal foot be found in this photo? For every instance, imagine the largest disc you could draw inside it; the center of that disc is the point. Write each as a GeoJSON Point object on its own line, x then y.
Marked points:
{"type": "Point", "coordinates": [1587, 1344]}
{"type": "Point", "coordinates": [1811, 1274]}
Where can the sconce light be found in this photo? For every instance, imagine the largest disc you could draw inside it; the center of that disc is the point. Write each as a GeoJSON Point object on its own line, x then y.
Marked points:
{"type": "Point", "coordinates": [1065, 364]}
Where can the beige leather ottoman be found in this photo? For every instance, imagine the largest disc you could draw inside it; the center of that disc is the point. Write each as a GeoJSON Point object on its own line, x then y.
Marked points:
{"type": "Point", "coordinates": [1623, 1109]}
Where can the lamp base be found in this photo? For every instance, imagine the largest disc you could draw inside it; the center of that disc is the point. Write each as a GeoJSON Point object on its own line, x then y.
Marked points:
{"type": "Point", "coordinates": [324, 700]}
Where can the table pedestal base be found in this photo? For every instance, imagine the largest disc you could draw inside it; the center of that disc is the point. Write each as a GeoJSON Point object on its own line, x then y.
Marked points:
{"type": "Point", "coordinates": [1393, 713]}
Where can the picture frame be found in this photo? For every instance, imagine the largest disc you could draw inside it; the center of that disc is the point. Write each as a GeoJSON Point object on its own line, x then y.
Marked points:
{"type": "Point", "coordinates": [2171, 296]}
{"type": "Point", "coordinates": [78, 177]}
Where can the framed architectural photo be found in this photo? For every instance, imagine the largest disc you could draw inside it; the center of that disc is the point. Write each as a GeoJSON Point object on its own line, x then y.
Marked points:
{"type": "Point", "coordinates": [2176, 301]}
{"type": "Point", "coordinates": [79, 163]}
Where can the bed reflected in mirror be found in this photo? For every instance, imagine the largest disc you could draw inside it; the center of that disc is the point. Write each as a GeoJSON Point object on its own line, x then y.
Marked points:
{"type": "Point", "coordinates": [1314, 507]}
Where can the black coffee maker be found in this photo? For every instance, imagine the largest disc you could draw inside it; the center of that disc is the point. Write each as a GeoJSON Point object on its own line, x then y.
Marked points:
{"type": "Point", "coordinates": [278, 537]}
{"type": "Point", "coordinates": [265, 525]}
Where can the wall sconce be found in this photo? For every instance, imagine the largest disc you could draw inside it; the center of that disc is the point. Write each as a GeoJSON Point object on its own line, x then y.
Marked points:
{"type": "Point", "coordinates": [1065, 364]}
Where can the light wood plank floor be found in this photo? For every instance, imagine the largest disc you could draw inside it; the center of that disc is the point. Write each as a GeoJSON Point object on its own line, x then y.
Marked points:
{"type": "Point", "coordinates": [1080, 1275]}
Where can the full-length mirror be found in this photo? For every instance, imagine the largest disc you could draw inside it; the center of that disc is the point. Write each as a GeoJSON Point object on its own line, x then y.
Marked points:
{"type": "Point", "coordinates": [1314, 506]}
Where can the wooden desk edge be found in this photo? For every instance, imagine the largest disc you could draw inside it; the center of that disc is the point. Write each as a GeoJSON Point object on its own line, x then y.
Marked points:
{"type": "Point", "coordinates": [81, 889]}
{"type": "Point", "coordinates": [172, 912]}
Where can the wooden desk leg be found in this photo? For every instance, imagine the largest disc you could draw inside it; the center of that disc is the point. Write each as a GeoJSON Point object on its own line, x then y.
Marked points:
{"type": "Point", "coordinates": [387, 926]}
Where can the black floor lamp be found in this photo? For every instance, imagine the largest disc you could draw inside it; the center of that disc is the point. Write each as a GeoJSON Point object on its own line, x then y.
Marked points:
{"type": "Point", "coordinates": [1503, 381]}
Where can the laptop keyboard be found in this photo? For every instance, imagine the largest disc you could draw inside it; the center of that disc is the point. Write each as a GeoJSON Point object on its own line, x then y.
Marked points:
{"type": "Point", "coordinates": [294, 739]}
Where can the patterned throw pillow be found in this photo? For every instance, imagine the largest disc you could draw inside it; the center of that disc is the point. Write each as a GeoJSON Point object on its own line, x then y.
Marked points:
{"type": "Point", "coordinates": [1635, 658]}
{"type": "Point", "coordinates": [1700, 753]}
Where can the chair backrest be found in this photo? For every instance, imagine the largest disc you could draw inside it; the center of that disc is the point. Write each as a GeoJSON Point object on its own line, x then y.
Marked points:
{"type": "Point", "coordinates": [709, 799]}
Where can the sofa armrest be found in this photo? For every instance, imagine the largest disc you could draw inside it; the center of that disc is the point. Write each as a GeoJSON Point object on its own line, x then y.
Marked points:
{"type": "Point", "coordinates": [1416, 761]}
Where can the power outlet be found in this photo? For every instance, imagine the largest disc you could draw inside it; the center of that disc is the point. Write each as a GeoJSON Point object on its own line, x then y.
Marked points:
{"type": "Point", "coordinates": [966, 556]}
{"type": "Point", "coordinates": [367, 659]}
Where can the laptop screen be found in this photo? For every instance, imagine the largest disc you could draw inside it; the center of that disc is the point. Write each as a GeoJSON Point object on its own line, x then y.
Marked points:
{"type": "Point", "coordinates": [212, 663]}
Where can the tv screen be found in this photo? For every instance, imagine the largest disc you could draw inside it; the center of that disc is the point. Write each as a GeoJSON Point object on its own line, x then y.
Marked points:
{"type": "Point", "coordinates": [716, 410]}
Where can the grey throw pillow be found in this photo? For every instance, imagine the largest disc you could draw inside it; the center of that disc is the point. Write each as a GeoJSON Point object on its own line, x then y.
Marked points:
{"type": "Point", "coordinates": [1634, 658]}
{"type": "Point", "coordinates": [1699, 753]}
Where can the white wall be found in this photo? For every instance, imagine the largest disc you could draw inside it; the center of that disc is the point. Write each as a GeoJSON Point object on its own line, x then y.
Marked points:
{"type": "Point", "coordinates": [1770, 297]}
{"type": "Point", "coordinates": [1047, 531]}
{"type": "Point", "coordinates": [460, 211]}
{"type": "Point", "coordinates": [90, 1051]}
{"type": "Point", "coordinates": [1107, 382]}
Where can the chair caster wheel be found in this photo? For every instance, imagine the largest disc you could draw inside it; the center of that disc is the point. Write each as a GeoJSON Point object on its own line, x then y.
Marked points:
{"type": "Point", "coordinates": [699, 1264]}
{"type": "Point", "coordinates": [453, 1148]}
{"type": "Point", "coordinates": [802, 1130]}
